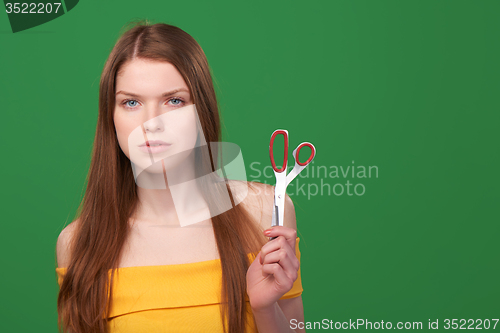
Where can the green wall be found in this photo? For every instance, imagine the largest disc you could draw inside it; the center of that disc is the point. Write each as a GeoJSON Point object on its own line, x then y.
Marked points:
{"type": "Point", "coordinates": [408, 87]}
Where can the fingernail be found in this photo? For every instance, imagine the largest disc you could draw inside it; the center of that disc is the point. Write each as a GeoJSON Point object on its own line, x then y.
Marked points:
{"type": "Point", "coordinates": [267, 232]}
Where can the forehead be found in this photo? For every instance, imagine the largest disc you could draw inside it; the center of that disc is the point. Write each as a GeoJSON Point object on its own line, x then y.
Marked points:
{"type": "Point", "coordinates": [149, 77]}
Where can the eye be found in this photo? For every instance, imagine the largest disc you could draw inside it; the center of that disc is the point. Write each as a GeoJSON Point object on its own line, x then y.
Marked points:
{"type": "Point", "coordinates": [176, 101]}
{"type": "Point", "coordinates": [130, 106]}
{"type": "Point", "coordinates": [132, 103]}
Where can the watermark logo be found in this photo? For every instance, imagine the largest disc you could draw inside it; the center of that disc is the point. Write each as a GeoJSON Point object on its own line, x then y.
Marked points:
{"type": "Point", "coordinates": [322, 179]}
{"type": "Point", "coordinates": [170, 156]}
{"type": "Point", "coordinates": [26, 15]}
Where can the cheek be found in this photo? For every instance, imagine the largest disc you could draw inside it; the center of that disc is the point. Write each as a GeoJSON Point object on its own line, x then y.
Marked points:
{"type": "Point", "coordinates": [191, 130]}
{"type": "Point", "coordinates": [187, 129]}
{"type": "Point", "coordinates": [123, 130]}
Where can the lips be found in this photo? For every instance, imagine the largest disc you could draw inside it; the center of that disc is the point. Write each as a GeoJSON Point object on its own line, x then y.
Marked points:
{"type": "Point", "coordinates": [154, 146]}
{"type": "Point", "coordinates": [152, 143]}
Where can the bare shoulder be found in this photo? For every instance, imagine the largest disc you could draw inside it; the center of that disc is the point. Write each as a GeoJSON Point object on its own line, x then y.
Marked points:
{"type": "Point", "coordinates": [259, 201]}
{"type": "Point", "coordinates": [63, 244]}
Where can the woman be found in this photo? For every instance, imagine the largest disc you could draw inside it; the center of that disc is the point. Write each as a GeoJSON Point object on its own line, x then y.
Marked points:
{"type": "Point", "coordinates": [149, 252]}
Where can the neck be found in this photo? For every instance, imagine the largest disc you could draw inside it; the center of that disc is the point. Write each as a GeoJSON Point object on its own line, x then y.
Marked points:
{"type": "Point", "coordinates": [172, 197]}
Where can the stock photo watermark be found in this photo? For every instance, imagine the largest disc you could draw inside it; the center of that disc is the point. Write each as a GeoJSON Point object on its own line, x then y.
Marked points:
{"type": "Point", "coordinates": [321, 180]}
{"type": "Point", "coordinates": [365, 324]}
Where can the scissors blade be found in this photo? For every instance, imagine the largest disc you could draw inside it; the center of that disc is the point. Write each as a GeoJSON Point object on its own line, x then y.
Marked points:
{"type": "Point", "coordinates": [275, 216]}
{"type": "Point", "coordinates": [278, 208]}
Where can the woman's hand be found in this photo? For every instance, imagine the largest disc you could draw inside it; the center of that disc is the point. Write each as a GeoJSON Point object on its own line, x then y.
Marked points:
{"type": "Point", "coordinates": [274, 270]}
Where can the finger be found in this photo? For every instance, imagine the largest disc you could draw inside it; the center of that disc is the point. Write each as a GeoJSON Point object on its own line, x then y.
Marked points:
{"type": "Point", "coordinates": [258, 258]}
{"type": "Point", "coordinates": [291, 261]}
{"type": "Point", "coordinates": [286, 260]}
{"type": "Point", "coordinates": [284, 282]}
{"type": "Point", "coordinates": [275, 244]}
{"type": "Point", "coordinates": [290, 234]}
{"type": "Point", "coordinates": [278, 246]}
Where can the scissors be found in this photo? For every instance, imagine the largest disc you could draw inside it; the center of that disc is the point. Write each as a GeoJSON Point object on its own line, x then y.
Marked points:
{"type": "Point", "coordinates": [282, 179]}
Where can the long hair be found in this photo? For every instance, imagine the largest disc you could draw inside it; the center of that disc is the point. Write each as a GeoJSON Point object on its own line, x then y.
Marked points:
{"type": "Point", "coordinates": [111, 197]}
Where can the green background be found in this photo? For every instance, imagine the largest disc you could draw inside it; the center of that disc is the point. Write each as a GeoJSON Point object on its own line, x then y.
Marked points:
{"type": "Point", "coordinates": [411, 87]}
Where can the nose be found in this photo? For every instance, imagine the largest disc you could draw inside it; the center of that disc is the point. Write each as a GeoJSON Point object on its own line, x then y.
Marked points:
{"type": "Point", "coordinates": [155, 123]}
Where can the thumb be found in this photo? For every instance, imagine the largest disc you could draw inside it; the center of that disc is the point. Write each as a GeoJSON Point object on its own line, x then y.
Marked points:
{"type": "Point", "coordinates": [259, 258]}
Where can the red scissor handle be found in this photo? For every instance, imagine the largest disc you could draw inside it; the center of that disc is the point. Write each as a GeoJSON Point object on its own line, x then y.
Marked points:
{"type": "Point", "coordinates": [273, 136]}
{"type": "Point", "coordinates": [313, 152]}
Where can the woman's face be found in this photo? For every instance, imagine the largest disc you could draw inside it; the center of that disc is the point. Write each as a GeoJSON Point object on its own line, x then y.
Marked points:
{"type": "Point", "coordinates": [153, 103]}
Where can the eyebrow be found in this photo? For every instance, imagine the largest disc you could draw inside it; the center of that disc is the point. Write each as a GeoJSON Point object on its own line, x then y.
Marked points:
{"type": "Point", "coordinates": [168, 93]}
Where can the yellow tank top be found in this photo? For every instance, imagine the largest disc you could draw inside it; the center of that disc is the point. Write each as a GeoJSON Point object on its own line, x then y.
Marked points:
{"type": "Point", "coordinates": [172, 298]}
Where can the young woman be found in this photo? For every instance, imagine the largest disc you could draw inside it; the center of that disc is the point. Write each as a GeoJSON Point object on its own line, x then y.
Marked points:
{"type": "Point", "coordinates": [149, 253]}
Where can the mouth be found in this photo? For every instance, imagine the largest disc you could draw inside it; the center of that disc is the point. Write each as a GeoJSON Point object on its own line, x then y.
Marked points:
{"type": "Point", "coordinates": [154, 146]}
{"type": "Point", "coordinates": [154, 143]}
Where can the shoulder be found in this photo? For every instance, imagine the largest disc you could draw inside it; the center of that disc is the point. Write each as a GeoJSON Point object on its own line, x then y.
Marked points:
{"type": "Point", "coordinates": [63, 244]}
{"type": "Point", "coordinates": [258, 199]}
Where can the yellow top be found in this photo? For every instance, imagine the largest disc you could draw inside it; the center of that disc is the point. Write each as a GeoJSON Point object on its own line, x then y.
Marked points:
{"type": "Point", "coordinates": [172, 298]}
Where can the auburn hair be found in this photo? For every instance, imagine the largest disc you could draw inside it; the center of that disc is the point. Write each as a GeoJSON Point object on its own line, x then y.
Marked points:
{"type": "Point", "coordinates": [110, 197]}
